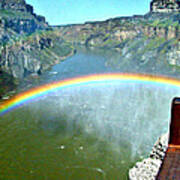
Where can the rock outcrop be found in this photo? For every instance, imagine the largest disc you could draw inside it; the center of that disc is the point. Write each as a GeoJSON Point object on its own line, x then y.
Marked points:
{"type": "Point", "coordinates": [149, 168]}
{"type": "Point", "coordinates": [115, 31]}
{"type": "Point", "coordinates": [173, 55]}
{"type": "Point", "coordinates": [20, 17]}
{"type": "Point", "coordinates": [33, 55]}
{"type": "Point", "coordinates": [27, 44]}
{"type": "Point", "coordinates": [17, 5]}
{"type": "Point", "coordinates": [165, 6]}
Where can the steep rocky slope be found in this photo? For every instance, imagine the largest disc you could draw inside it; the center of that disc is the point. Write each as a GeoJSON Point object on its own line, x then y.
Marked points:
{"type": "Point", "coordinates": [33, 54]}
{"type": "Point", "coordinates": [20, 17]}
{"type": "Point", "coordinates": [165, 5]}
{"type": "Point", "coordinates": [28, 46]}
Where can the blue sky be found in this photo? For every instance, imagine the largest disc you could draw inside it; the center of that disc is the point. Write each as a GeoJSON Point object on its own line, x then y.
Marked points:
{"type": "Point", "coordinates": [58, 12]}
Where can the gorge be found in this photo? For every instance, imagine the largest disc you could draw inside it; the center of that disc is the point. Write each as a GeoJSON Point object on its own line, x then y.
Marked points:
{"type": "Point", "coordinates": [115, 123]}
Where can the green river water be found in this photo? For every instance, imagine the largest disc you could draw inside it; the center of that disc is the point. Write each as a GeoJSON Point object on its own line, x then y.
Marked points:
{"type": "Point", "coordinates": [87, 132]}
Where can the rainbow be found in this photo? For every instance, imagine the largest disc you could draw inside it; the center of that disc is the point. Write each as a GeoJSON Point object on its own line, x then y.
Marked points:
{"type": "Point", "coordinates": [34, 93]}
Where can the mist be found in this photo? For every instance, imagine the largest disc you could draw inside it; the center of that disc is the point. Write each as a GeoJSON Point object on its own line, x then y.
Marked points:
{"type": "Point", "coordinates": [131, 114]}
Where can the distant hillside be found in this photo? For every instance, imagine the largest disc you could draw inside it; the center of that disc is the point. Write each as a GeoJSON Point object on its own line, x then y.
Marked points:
{"type": "Point", "coordinates": [151, 39]}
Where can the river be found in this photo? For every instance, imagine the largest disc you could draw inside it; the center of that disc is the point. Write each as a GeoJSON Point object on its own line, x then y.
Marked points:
{"type": "Point", "coordinates": [91, 131]}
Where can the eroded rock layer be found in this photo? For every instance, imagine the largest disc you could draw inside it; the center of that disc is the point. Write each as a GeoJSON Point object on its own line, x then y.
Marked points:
{"type": "Point", "coordinates": [165, 6]}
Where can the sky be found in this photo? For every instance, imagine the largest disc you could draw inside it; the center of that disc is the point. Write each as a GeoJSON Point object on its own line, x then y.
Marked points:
{"type": "Point", "coordinates": [61, 12]}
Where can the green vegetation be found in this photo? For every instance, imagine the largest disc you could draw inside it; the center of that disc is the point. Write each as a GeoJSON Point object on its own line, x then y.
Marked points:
{"type": "Point", "coordinates": [155, 43]}
{"type": "Point", "coordinates": [164, 23]}
{"type": "Point", "coordinates": [134, 44]}
{"type": "Point", "coordinates": [172, 42]}
{"type": "Point", "coordinates": [155, 23]}
{"type": "Point", "coordinates": [148, 45]}
{"type": "Point", "coordinates": [6, 83]}
{"type": "Point", "coordinates": [14, 14]}
{"type": "Point", "coordinates": [175, 24]}
{"type": "Point", "coordinates": [7, 13]}
{"type": "Point", "coordinates": [62, 49]}
{"type": "Point", "coordinates": [110, 43]}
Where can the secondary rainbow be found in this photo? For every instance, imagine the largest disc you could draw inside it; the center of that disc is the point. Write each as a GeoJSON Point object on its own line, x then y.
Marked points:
{"type": "Point", "coordinates": [34, 93]}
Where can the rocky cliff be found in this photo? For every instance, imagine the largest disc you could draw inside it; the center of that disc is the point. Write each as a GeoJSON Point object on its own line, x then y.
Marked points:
{"type": "Point", "coordinates": [19, 17]}
{"type": "Point", "coordinates": [146, 39]}
{"type": "Point", "coordinates": [28, 46]}
{"type": "Point", "coordinates": [18, 5]}
{"type": "Point", "coordinates": [165, 6]}
{"type": "Point", "coordinates": [33, 54]}
{"type": "Point", "coordinates": [18, 9]}
{"type": "Point", "coordinates": [112, 32]}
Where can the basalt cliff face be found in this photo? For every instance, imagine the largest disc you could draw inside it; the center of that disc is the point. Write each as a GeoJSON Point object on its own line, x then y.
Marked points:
{"type": "Point", "coordinates": [33, 54]}
{"type": "Point", "coordinates": [20, 17]}
{"type": "Point", "coordinates": [165, 6]}
{"type": "Point", "coordinates": [18, 5]}
{"type": "Point", "coordinates": [28, 45]}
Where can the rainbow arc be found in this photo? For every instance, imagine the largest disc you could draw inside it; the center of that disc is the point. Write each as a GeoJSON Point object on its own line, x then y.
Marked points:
{"type": "Point", "coordinates": [34, 93]}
